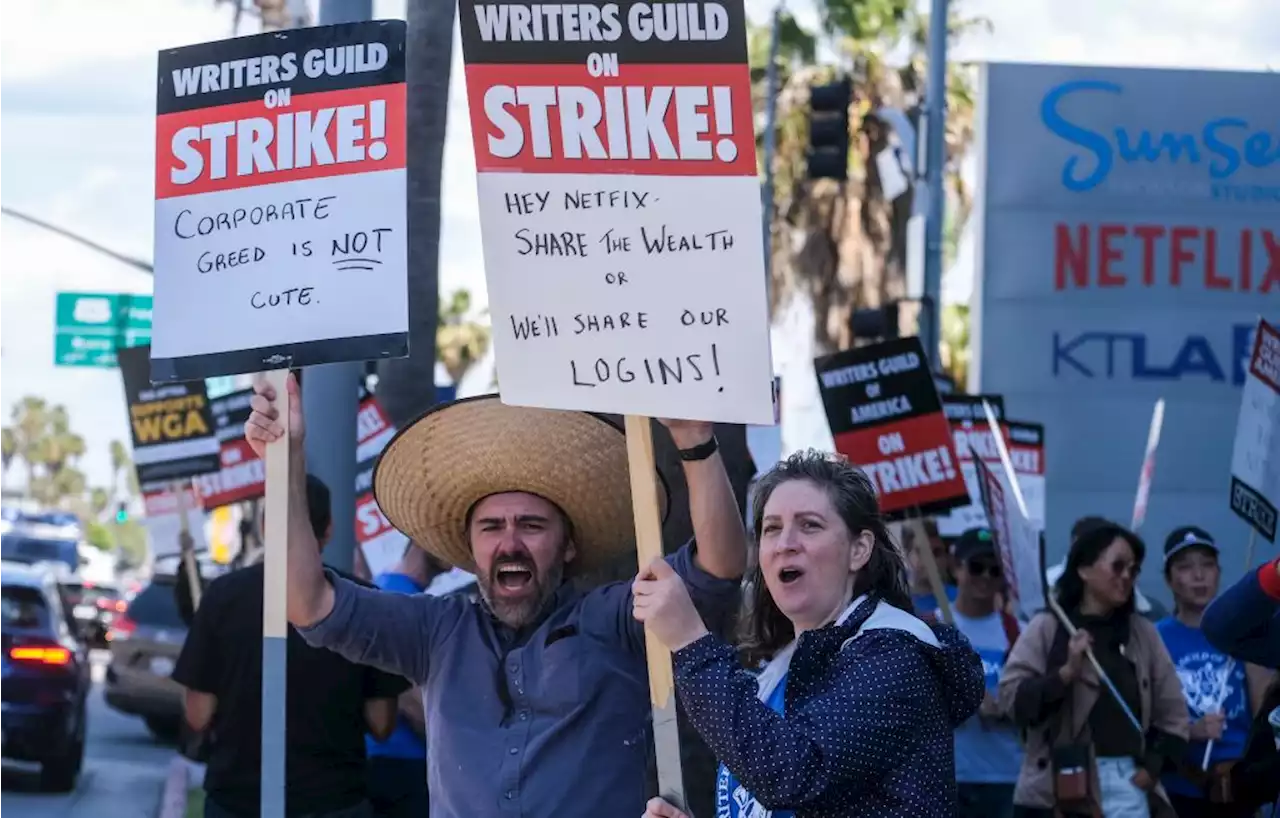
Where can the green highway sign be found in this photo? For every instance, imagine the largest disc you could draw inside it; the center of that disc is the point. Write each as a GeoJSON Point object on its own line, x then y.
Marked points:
{"type": "Point", "coordinates": [90, 327]}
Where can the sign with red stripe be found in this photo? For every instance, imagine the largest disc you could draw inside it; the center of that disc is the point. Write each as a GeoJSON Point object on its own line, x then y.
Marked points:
{"type": "Point", "coordinates": [887, 418]}
{"type": "Point", "coordinates": [280, 202]}
{"type": "Point", "coordinates": [619, 206]}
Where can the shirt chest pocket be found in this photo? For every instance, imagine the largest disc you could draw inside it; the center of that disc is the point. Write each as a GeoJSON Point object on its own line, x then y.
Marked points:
{"type": "Point", "coordinates": [556, 683]}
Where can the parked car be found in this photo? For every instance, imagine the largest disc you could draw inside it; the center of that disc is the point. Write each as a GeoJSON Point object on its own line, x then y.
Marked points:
{"type": "Point", "coordinates": [46, 678]}
{"type": "Point", "coordinates": [31, 544]}
{"type": "Point", "coordinates": [94, 606]}
{"type": "Point", "coordinates": [145, 642]}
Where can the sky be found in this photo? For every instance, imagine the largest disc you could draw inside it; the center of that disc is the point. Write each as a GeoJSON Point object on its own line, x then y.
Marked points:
{"type": "Point", "coordinates": [76, 148]}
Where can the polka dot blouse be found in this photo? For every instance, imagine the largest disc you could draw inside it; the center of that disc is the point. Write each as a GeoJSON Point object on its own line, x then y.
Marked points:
{"type": "Point", "coordinates": [867, 730]}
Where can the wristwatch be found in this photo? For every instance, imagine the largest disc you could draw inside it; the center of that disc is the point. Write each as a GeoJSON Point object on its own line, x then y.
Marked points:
{"type": "Point", "coordinates": [700, 452]}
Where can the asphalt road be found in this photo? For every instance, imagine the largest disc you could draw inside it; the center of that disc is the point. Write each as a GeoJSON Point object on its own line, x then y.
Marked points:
{"type": "Point", "coordinates": [124, 771]}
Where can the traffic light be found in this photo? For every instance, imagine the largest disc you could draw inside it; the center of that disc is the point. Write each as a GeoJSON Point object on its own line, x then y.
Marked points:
{"type": "Point", "coordinates": [828, 154]}
{"type": "Point", "coordinates": [122, 514]}
{"type": "Point", "coordinates": [875, 323]}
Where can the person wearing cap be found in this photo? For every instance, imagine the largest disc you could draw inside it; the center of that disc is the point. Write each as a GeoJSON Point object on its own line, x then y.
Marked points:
{"type": "Point", "coordinates": [536, 696]}
{"type": "Point", "coordinates": [1221, 693]}
{"type": "Point", "coordinates": [988, 754]}
{"type": "Point", "coordinates": [1083, 754]}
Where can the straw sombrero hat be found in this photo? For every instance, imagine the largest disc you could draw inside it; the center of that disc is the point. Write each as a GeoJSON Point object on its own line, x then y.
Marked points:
{"type": "Point", "coordinates": [438, 467]}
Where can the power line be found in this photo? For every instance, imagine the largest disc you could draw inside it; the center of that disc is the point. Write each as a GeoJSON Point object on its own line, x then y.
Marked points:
{"type": "Point", "coordinates": [136, 263]}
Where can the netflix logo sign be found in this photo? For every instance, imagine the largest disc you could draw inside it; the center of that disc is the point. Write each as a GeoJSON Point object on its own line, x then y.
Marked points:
{"type": "Point", "coordinates": [1127, 247]}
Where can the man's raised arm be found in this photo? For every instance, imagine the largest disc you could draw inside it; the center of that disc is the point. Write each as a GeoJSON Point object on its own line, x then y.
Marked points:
{"type": "Point", "coordinates": [392, 632]}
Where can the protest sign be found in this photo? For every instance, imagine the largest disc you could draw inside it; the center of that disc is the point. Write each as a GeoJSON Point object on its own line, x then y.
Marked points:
{"type": "Point", "coordinates": [1148, 472]}
{"type": "Point", "coordinates": [620, 207]}
{"type": "Point", "coordinates": [280, 202]}
{"type": "Point", "coordinates": [1255, 458]}
{"type": "Point", "coordinates": [968, 408]}
{"type": "Point", "coordinates": [887, 418]}
{"type": "Point", "coordinates": [1018, 537]}
{"type": "Point", "coordinates": [164, 524]}
{"type": "Point", "coordinates": [974, 441]}
{"type": "Point", "coordinates": [280, 242]}
{"type": "Point", "coordinates": [242, 475]}
{"type": "Point", "coordinates": [381, 543]}
{"type": "Point", "coordinates": [171, 424]}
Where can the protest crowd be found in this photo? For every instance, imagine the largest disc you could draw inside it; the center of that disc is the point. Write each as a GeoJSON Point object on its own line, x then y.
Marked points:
{"type": "Point", "coordinates": [811, 651]}
{"type": "Point", "coordinates": [865, 632]}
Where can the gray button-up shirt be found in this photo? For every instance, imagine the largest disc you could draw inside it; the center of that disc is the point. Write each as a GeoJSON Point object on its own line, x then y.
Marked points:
{"type": "Point", "coordinates": [550, 722]}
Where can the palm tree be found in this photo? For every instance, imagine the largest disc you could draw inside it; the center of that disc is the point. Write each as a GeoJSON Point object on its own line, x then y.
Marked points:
{"type": "Point", "coordinates": [119, 462]}
{"type": "Point", "coordinates": [843, 245]}
{"type": "Point", "coordinates": [406, 386]}
{"type": "Point", "coordinates": [30, 423]}
{"type": "Point", "coordinates": [460, 339]}
{"type": "Point", "coordinates": [8, 450]}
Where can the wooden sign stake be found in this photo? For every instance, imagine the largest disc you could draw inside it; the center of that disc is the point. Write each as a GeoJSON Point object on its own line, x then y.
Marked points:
{"type": "Point", "coordinates": [188, 552]}
{"type": "Point", "coordinates": [648, 517]}
{"type": "Point", "coordinates": [275, 623]}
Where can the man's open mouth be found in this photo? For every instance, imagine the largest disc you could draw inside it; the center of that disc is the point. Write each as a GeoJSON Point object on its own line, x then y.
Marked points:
{"type": "Point", "coordinates": [790, 575]}
{"type": "Point", "coordinates": [513, 576]}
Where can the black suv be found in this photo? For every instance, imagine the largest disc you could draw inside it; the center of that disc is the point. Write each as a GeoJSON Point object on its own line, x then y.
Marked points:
{"type": "Point", "coordinates": [46, 678]}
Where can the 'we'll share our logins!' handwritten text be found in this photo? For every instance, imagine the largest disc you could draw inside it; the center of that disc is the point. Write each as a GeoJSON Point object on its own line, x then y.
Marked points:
{"type": "Point", "coordinates": [621, 253]}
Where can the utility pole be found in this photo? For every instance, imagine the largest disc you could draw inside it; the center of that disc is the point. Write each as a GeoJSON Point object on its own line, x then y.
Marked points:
{"type": "Point", "coordinates": [770, 138]}
{"type": "Point", "coordinates": [329, 393]}
{"type": "Point", "coordinates": [936, 145]}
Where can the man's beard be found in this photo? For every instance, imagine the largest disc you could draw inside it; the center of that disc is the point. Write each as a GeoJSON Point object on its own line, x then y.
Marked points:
{"type": "Point", "coordinates": [517, 613]}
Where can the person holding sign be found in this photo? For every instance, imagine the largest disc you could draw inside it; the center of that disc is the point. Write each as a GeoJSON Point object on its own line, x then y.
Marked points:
{"type": "Point", "coordinates": [1222, 694]}
{"type": "Point", "coordinates": [854, 712]}
{"type": "Point", "coordinates": [1084, 753]}
{"type": "Point", "coordinates": [536, 696]}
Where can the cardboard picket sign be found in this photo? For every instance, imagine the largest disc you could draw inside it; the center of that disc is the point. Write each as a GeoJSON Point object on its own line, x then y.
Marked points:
{"type": "Point", "coordinates": [171, 424]}
{"type": "Point", "coordinates": [242, 475]}
{"type": "Point", "coordinates": [381, 543]}
{"type": "Point", "coordinates": [620, 209]}
{"type": "Point", "coordinates": [280, 242]}
{"type": "Point", "coordinates": [973, 441]}
{"type": "Point", "coordinates": [280, 220]}
{"type": "Point", "coordinates": [1255, 459]}
{"type": "Point", "coordinates": [887, 418]}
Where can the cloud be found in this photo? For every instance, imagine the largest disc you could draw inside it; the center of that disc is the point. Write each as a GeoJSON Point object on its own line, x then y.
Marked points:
{"type": "Point", "coordinates": [46, 39]}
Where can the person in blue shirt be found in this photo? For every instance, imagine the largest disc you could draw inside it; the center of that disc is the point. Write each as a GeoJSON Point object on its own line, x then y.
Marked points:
{"type": "Point", "coordinates": [398, 765]}
{"type": "Point", "coordinates": [854, 712]}
{"type": "Point", "coordinates": [988, 752]}
{"type": "Point", "coordinates": [1219, 690]}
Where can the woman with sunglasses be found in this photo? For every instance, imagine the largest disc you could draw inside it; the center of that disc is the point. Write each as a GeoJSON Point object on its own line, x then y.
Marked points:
{"type": "Point", "coordinates": [1083, 755]}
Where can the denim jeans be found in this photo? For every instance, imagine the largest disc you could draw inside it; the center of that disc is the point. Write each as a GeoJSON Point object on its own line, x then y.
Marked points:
{"type": "Point", "coordinates": [985, 801]}
{"type": "Point", "coordinates": [361, 810]}
{"type": "Point", "coordinates": [1120, 798]}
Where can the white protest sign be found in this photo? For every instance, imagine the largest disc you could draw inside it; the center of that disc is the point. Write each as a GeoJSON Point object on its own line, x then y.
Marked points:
{"type": "Point", "coordinates": [163, 523]}
{"type": "Point", "coordinates": [619, 207]}
{"type": "Point", "coordinates": [280, 202]}
{"type": "Point", "coordinates": [1255, 458]}
{"type": "Point", "coordinates": [1148, 472]}
{"type": "Point", "coordinates": [1017, 535]}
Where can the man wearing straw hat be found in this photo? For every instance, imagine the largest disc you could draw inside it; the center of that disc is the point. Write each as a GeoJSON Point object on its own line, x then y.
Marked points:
{"type": "Point", "coordinates": [536, 696]}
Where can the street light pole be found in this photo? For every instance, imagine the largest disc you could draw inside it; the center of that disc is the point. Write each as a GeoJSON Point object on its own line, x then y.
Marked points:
{"type": "Point", "coordinates": [936, 141]}
{"type": "Point", "coordinates": [329, 393]}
